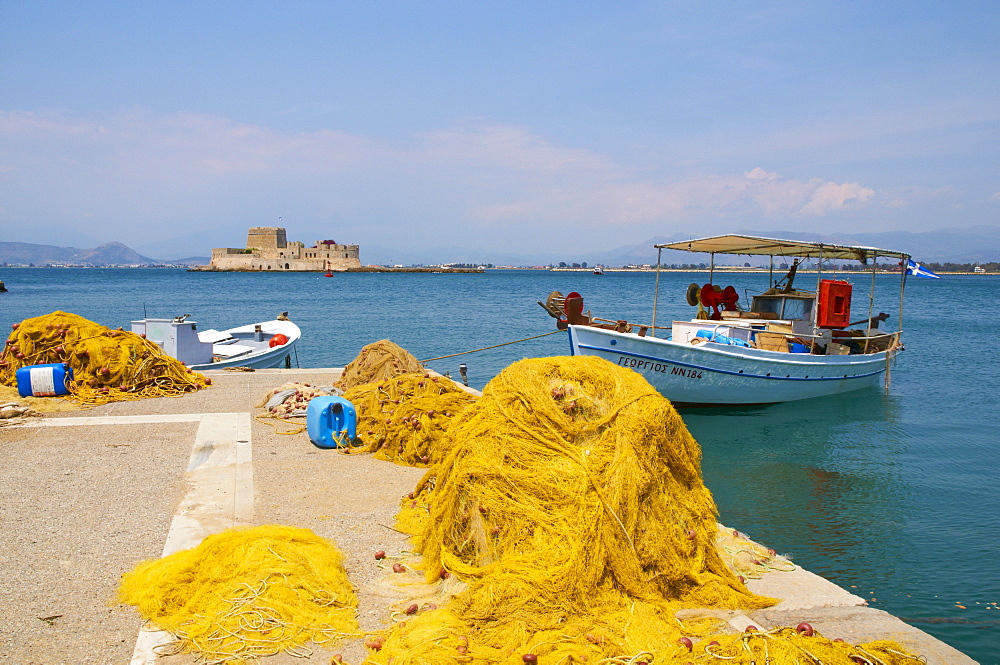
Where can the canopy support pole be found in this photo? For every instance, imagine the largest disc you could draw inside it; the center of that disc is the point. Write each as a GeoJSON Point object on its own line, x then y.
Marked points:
{"type": "Point", "coordinates": [656, 291]}
{"type": "Point", "coordinates": [903, 265]}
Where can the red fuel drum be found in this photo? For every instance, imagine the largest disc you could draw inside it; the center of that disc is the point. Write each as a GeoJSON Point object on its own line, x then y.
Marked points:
{"type": "Point", "coordinates": [833, 310]}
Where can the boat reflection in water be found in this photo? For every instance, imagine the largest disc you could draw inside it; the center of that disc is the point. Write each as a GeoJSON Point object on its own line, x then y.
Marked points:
{"type": "Point", "coordinates": [822, 483]}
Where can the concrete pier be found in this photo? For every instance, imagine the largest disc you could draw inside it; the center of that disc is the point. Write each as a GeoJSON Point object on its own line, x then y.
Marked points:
{"type": "Point", "coordinates": [86, 495]}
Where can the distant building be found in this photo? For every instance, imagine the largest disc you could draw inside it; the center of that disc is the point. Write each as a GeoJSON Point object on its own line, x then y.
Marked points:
{"type": "Point", "coordinates": [268, 249]}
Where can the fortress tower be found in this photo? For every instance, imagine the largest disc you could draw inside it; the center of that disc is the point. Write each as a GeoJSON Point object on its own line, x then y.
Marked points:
{"type": "Point", "coordinates": [266, 237]}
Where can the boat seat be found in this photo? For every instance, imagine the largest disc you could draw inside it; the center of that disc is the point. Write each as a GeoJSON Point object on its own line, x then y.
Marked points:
{"type": "Point", "coordinates": [212, 336]}
{"type": "Point", "coordinates": [231, 350]}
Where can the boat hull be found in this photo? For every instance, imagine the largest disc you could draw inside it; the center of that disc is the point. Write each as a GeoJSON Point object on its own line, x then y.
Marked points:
{"type": "Point", "coordinates": [721, 374]}
{"type": "Point", "coordinates": [263, 357]}
{"type": "Point", "coordinates": [264, 360]}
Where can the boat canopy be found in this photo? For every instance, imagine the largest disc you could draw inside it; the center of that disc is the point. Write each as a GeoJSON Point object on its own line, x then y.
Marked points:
{"type": "Point", "coordinates": [740, 244]}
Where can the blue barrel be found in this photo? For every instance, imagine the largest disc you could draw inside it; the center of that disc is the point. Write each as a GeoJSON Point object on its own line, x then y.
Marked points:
{"type": "Point", "coordinates": [44, 380]}
{"type": "Point", "coordinates": [331, 422]}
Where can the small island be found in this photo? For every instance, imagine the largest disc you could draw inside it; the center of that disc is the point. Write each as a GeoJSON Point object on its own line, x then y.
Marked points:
{"type": "Point", "coordinates": [269, 250]}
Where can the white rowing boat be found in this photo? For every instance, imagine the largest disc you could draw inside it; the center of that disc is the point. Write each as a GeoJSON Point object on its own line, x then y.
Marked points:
{"type": "Point", "coordinates": [257, 345]}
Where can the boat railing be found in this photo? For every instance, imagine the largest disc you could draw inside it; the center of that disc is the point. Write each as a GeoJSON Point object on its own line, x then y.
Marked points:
{"type": "Point", "coordinates": [852, 344]}
{"type": "Point", "coordinates": [621, 325]}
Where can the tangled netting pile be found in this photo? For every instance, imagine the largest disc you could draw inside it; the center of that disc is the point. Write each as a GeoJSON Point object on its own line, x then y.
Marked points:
{"type": "Point", "coordinates": [108, 365]}
{"type": "Point", "coordinates": [247, 593]}
{"type": "Point", "coordinates": [289, 401]}
{"type": "Point", "coordinates": [376, 362]}
{"type": "Point", "coordinates": [568, 522]}
{"type": "Point", "coordinates": [404, 419]}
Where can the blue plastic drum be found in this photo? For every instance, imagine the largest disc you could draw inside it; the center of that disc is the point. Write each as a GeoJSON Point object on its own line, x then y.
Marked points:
{"type": "Point", "coordinates": [331, 422]}
{"type": "Point", "coordinates": [44, 380]}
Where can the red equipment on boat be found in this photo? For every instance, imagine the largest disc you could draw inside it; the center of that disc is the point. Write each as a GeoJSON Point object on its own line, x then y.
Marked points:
{"type": "Point", "coordinates": [833, 306]}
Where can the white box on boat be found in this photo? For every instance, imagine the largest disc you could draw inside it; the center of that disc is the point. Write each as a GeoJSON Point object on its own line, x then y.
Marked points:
{"type": "Point", "coordinates": [685, 331]}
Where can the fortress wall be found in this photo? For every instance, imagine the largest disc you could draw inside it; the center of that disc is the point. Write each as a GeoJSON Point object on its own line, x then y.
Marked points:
{"type": "Point", "coordinates": [276, 263]}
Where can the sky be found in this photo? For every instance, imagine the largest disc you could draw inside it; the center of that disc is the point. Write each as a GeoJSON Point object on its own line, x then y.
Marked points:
{"type": "Point", "coordinates": [458, 126]}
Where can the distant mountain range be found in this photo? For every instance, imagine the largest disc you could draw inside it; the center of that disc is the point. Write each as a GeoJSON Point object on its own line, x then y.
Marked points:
{"type": "Point", "coordinates": [968, 245]}
{"type": "Point", "coordinates": [965, 245]}
{"type": "Point", "coordinates": [961, 245]}
{"type": "Point", "coordinates": [108, 254]}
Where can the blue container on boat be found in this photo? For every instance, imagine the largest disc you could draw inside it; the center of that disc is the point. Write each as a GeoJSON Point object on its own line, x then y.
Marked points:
{"type": "Point", "coordinates": [720, 338]}
{"type": "Point", "coordinates": [331, 422]}
{"type": "Point", "coordinates": [798, 348]}
{"type": "Point", "coordinates": [44, 380]}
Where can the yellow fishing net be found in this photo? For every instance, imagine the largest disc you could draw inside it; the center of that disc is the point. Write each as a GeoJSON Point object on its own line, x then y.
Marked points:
{"type": "Point", "coordinates": [242, 594]}
{"type": "Point", "coordinates": [568, 522]}
{"type": "Point", "coordinates": [376, 362]}
{"type": "Point", "coordinates": [749, 560]}
{"type": "Point", "coordinates": [108, 365]}
{"type": "Point", "coordinates": [404, 419]}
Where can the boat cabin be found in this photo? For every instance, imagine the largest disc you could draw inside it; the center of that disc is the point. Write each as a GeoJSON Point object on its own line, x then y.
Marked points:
{"type": "Point", "coordinates": [798, 306]}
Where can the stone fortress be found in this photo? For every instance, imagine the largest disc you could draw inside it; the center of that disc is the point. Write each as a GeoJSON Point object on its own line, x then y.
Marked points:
{"type": "Point", "coordinates": [268, 249]}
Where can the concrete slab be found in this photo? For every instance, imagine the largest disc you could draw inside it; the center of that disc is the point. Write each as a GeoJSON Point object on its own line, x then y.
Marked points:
{"type": "Point", "coordinates": [79, 507]}
{"type": "Point", "coordinates": [799, 589]}
{"type": "Point", "coordinates": [862, 624]}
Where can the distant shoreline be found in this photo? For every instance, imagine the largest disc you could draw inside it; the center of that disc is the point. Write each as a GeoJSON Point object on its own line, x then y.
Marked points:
{"type": "Point", "coordinates": [420, 269]}
{"type": "Point", "coordinates": [742, 271]}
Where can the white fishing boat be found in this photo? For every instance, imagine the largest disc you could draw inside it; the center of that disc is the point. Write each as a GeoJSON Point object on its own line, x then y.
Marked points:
{"type": "Point", "coordinates": [788, 344]}
{"type": "Point", "coordinates": [257, 345]}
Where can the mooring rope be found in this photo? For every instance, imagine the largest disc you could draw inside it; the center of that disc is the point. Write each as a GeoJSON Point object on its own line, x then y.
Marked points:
{"type": "Point", "coordinates": [491, 347]}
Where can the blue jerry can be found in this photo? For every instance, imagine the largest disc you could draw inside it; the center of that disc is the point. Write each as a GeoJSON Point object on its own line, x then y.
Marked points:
{"type": "Point", "coordinates": [44, 380]}
{"type": "Point", "coordinates": [331, 422]}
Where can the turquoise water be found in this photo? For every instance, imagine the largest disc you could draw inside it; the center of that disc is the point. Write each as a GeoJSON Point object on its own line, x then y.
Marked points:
{"type": "Point", "coordinates": [892, 495]}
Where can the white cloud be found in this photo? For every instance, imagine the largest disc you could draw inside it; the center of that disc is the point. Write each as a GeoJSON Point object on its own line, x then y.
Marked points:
{"type": "Point", "coordinates": [180, 169]}
{"type": "Point", "coordinates": [831, 196]}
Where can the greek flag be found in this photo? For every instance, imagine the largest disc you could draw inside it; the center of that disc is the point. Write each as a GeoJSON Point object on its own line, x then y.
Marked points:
{"type": "Point", "coordinates": [914, 268]}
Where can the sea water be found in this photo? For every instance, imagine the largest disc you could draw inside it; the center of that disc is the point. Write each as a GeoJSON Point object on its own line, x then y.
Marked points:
{"type": "Point", "coordinates": [893, 495]}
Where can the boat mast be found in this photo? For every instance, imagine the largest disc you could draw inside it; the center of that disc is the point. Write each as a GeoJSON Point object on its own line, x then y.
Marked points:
{"type": "Point", "coordinates": [656, 291]}
{"type": "Point", "coordinates": [819, 277]}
